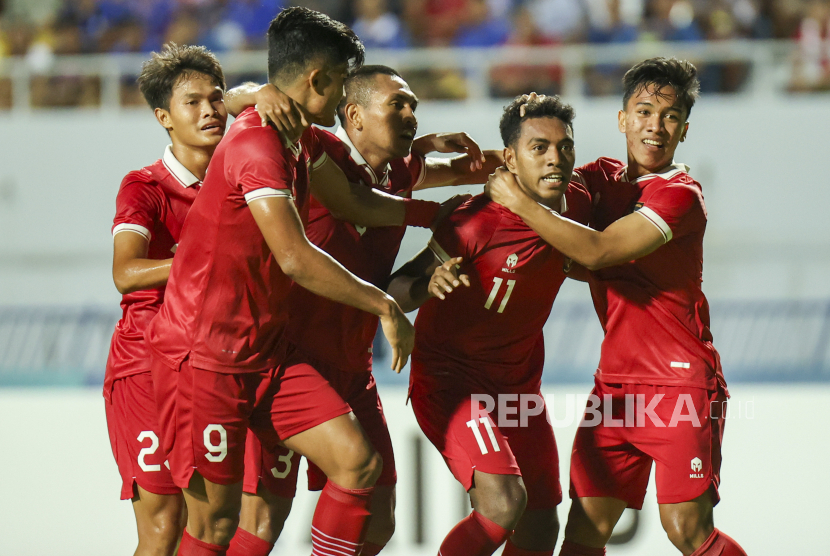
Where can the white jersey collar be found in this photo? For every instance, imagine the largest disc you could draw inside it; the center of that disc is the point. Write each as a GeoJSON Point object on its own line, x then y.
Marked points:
{"type": "Point", "coordinates": [357, 157]}
{"type": "Point", "coordinates": [177, 169]}
{"type": "Point", "coordinates": [666, 173]}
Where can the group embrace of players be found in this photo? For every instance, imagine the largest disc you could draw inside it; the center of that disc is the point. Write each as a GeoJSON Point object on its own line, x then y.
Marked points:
{"type": "Point", "coordinates": [255, 347]}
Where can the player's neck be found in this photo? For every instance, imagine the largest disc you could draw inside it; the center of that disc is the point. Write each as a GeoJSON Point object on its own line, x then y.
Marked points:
{"type": "Point", "coordinates": [195, 159]}
{"type": "Point", "coordinates": [635, 170]}
{"type": "Point", "coordinates": [377, 161]}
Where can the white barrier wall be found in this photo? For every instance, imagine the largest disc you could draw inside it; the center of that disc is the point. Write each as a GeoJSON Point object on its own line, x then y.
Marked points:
{"type": "Point", "coordinates": [59, 485]}
{"type": "Point", "coordinates": [760, 163]}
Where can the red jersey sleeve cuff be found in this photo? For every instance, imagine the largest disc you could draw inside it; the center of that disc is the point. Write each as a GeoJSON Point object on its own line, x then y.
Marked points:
{"type": "Point", "coordinates": [420, 213]}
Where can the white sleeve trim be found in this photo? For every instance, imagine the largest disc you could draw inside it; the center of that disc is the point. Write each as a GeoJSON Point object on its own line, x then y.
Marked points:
{"type": "Point", "coordinates": [320, 161]}
{"type": "Point", "coordinates": [658, 221]}
{"type": "Point", "coordinates": [422, 176]}
{"type": "Point", "coordinates": [135, 228]}
{"type": "Point", "coordinates": [267, 192]}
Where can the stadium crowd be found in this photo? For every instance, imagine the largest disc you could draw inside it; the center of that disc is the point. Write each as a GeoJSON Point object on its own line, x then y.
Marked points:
{"type": "Point", "coordinates": [40, 29]}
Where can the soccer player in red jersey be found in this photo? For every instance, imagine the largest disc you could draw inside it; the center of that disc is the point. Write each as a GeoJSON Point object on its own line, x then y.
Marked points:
{"type": "Point", "coordinates": [646, 254]}
{"type": "Point", "coordinates": [184, 85]}
{"type": "Point", "coordinates": [220, 363]}
{"type": "Point", "coordinates": [485, 340]}
{"type": "Point", "coordinates": [372, 147]}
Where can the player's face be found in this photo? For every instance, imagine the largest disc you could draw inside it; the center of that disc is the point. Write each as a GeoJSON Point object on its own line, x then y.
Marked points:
{"type": "Point", "coordinates": [389, 122]}
{"type": "Point", "coordinates": [543, 159]}
{"type": "Point", "coordinates": [654, 124]}
{"type": "Point", "coordinates": [329, 88]}
{"type": "Point", "coordinates": [197, 114]}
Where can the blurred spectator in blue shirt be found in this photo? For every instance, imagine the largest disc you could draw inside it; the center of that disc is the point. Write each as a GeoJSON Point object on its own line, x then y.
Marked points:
{"type": "Point", "coordinates": [480, 29]}
{"type": "Point", "coordinates": [377, 27]}
{"type": "Point", "coordinates": [560, 20]}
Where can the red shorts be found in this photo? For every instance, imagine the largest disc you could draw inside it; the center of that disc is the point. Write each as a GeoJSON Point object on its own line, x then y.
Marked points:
{"type": "Point", "coordinates": [469, 438]}
{"type": "Point", "coordinates": [206, 415]}
{"type": "Point", "coordinates": [132, 421]}
{"type": "Point", "coordinates": [682, 433]}
{"type": "Point", "coordinates": [277, 469]}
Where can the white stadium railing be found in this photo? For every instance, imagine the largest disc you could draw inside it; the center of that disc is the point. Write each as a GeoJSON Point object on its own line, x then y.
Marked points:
{"type": "Point", "coordinates": [771, 64]}
{"type": "Point", "coordinates": [764, 341]}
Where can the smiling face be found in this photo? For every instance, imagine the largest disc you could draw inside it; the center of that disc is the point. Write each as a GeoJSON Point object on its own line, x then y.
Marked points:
{"type": "Point", "coordinates": [197, 116]}
{"type": "Point", "coordinates": [388, 123]}
{"type": "Point", "coordinates": [542, 159]}
{"type": "Point", "coordinates": [654, 124]}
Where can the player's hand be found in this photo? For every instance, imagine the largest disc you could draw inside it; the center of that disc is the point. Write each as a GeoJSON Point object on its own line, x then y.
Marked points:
{"type": "Point", "coordinates": [447, 207]}
{"type": "Point", "coordinates": [277, 108]}
{"type": "Point", "coordinates": [459, 143]}
{"type": "Point", "coordinates": [527, 99]}
{"type": "Point", "coordinates": [400, 333]}
{"type": "Point", "coordinates": [445, 279]}
{"type": "Point", "coordinates": [504, 189]}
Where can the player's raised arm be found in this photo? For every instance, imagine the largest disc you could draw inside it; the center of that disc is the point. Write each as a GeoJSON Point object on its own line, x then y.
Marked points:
{"type": "Point", "coordinates": [627, 239]}
{"type": "Point", "coordinates": [474, 166]}
{"type": "Point", "coordinates": [131, 269]}
{"type": "Point", "coordinates": [316, 271]}
{"type": "Point", "coordinates": [273, 106]}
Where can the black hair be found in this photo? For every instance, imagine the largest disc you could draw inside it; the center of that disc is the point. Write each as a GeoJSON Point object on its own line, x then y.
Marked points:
{"type": "Point", "coordinates": [510, 125]}
{"type": "Point", "coordinates": [298, 36]}
{"type": "Point", "coordinates": [359, 84]}
{"type": "Point", "coordinates": [656, 73]}
{"type": "Point", "coordinates": [163, 70]}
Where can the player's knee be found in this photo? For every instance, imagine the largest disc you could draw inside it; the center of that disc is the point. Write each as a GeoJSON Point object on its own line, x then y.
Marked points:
{"type": "Point", "coordinates": [360, 466]}
{"type": "Point", "coordinates": [504, 505]}
{"type": "Point", "coordinates": [596, 528]}
{"type": "Point", "coordinates": [687, 529]}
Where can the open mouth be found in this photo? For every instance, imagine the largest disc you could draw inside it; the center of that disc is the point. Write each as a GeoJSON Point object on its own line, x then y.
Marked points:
{"type": "Point", "coordinates": [553, 179]}
{"type": "Point", "coordinates": [653, 143]}
{"type": "Point", "coordinates": [408, 135]}
{"type": "Point", "coordinates": [212, 126]}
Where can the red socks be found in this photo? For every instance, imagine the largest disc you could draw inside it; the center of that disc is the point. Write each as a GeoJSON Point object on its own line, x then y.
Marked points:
{"type": "Point", "coordinates": [340, 521]}
{"type": "Point", "coordinates": [371, 549]}
{"type": "Point", "coordinates": [572, 549]}
{"type": "Point", "coordinates": [475, 535]}
{"type": "Point", "coordinates": [719, 544]}
{"type": "Point", "coordinates": [194, 547]}
{"type": "Point", "coordinates": [511, 549]}
{"type": "Point", "coordinates": [244, 543]}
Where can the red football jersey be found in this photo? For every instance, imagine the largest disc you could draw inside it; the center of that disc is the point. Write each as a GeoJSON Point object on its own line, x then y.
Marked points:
{"type": "Point", "coordinates": [333, 332]}
{"type": "Point", "coordinates": [490, 334]}
{"type": "Point", "coordinates": [152, 202]}
{"type": "Point", "coordinates": [653, 311]}
{"type": "Point", "coordinates": [225, 303]}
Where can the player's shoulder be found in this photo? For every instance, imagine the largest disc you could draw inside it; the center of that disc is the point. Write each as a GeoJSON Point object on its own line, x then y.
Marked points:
{"type": "Point", "coordinates": [149, 177]}
{"type": "Point", "coordinates": [676, 176]}
{"type": "Point", "coordinates": [578, 202]}
{"type": "Point", "coordinates": [247, 132]}
{"type": "Point", "coordinates": [599, 172]}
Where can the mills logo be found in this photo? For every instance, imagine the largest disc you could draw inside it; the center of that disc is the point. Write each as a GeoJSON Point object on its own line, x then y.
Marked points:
{"type": "Point", "coordinates": [512, 260]}
{"type": "Point", "coordinates": [697, 467]}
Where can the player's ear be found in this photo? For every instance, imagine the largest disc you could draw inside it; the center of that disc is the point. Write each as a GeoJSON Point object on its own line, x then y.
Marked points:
{"type": "Point", "coordinates": [354, 117]}
{"type": "Point", "coordinates": [685, 131]}
{"type": "Point", "coordinates": [621, 121]}
{"type": "Point", "coordinates": [317, 80]}
{"type": "Point", "coordinates": [510, 159]}
{"type": "Point", "coordinates": [163, 117]}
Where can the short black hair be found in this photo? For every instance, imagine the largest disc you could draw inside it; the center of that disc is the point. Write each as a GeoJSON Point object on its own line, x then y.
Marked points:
{"type": "Point", "coordinates": [163, 70]}
{"type": "Point", "coordinates": [510, 125]}
{"type": "Point", "coordinates": [358, 86]}
{"type": "Point", "coordinates": [656, 73]}
{"type": "Point", "coordinates": [298, 36]}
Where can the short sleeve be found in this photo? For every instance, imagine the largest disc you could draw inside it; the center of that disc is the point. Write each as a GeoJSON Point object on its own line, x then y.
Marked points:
{"type": "Point", "coordinates": [676, 210]}
{"type": "Point", "coordinates": [416, 165]}
{"type": "Point", "coordinates": [137, 209]}
{"type": "Point", "coordinates": [259, 165]}
{"type": "Point", "coordinates": [315, 142]}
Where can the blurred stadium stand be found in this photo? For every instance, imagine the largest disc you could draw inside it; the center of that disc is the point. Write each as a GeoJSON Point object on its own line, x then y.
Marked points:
{"type": "Point", "coordinates": [762, 341]}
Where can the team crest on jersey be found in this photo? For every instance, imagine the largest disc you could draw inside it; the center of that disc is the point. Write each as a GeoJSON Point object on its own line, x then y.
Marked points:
{"type": "Point", "coordinates": [511, 262]}
{"type": "Point", "coordinates": [697, 467]}
{"type": "Point", "coordinates": [637, 206]}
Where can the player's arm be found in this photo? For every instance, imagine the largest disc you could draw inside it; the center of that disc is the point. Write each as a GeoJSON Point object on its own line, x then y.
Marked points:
{"type": "Point", "coordinates": [474, 166]}
{"type": "Point", "coordinates": [576, 271]}
{"type": "Point", "coordinates": [423, 277]}
{"type": "Point", "coordinates": [271, 104]}
{"type": "Point", "coordinates": [369, 207]}
{"type": "Point", "coordinates": [627, 239]}
{"type": "Point", "coordinates": [131, 269]}
{"type": "Point", "coordinates": [316, 271]}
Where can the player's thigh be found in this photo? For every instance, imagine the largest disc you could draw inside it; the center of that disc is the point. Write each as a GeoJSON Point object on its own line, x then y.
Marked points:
{"type": "Point", "coordinates": [604, 463]}
{"type": "Point", "coordinates": [534, 445]}
{"type": "Point", "coordinates": [160, 517]}
{"type": "Point", "coordinates": [464, 433]}
{"type": "Point", "coordinates": [687, 450]}
{"type": "Point", "coordinates": [132, 420]}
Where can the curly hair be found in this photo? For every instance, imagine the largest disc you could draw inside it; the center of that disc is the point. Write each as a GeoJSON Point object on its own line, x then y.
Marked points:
{"type": "Point", "coordinates": [164, 69]}
{"type": "Point", "coordinates": [510, 125]}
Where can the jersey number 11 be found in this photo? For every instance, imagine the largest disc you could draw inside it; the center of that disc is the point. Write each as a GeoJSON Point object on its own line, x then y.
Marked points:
{"type": "Point", "coordinates": [496, 287]}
